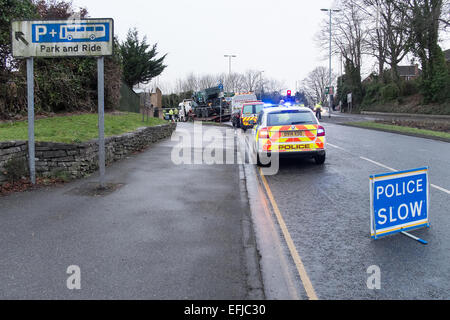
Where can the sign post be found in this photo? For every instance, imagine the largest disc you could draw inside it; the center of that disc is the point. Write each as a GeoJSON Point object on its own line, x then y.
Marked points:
{"type": "Point", "coordinates": [350, 102]}
{"type": "Point", "coordinates": [101, 119]}
{"type": "Point", "coordinates": [399, 202]}
{"type": "Point", "coordinates": [30, 100]}
{"type": "Point", "coordinates": [64, 38]}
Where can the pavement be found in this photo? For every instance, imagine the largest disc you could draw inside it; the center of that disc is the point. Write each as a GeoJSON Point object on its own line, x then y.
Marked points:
{"type": "Point", "coordinates": [163, 231]}
{"type": "Point", "coordinates": [326, 210]}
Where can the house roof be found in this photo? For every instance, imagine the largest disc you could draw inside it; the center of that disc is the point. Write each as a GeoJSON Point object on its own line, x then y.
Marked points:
{"type": "Point", "coordinates": [447, 55]}
{"type": "Point", "coordinates": [407, 71]}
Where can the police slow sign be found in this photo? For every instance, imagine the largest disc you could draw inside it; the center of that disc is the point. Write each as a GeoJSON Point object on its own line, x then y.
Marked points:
{"type": "Point", "coordinates": [399, 202]}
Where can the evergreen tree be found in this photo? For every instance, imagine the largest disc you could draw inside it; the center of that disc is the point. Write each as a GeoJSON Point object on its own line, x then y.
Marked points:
{"type": "Point", "coordinates": [139, 61]}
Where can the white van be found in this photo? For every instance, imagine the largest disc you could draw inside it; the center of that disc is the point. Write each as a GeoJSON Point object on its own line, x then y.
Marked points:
{"type": "Point", "coordinates": [238, 100]}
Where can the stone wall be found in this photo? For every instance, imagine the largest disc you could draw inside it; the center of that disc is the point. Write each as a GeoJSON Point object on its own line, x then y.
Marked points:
{"type": "Point", "coordinates": [79, 160]}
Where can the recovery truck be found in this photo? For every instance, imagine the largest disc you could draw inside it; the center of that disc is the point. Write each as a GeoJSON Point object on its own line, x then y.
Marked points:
{"type": "Point", "coordinates": [211, 104]}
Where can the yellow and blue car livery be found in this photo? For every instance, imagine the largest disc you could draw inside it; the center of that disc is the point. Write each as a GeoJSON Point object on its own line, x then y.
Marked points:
{"type": "Point", "coordinates": [293, 131]}
{"type": "Point", "coordinates": [291, 138]}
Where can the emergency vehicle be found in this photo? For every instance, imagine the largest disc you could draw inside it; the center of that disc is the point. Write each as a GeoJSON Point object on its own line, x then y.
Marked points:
{"type": "Point", "coordinates": [249, 113]}
{"type": "Point", "coordinates": [236, 106]}
{"type": "Point", "coordinates": [289, 131]}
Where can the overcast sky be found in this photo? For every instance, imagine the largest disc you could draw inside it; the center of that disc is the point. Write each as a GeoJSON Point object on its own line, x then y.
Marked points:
{"type": "Point", "coordinates": [276, 36]}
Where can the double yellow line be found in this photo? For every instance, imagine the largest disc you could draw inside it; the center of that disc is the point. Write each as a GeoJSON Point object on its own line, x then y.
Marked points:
{"type": "Point", "coordinates": [292, 249]}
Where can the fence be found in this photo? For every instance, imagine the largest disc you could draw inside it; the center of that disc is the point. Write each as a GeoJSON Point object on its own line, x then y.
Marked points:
{"type": "Point", "coordinates": [129, 100]}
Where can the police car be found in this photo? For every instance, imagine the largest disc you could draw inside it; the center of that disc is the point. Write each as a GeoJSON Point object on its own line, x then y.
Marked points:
{"type": "Point", "coordinates": [289, 131]}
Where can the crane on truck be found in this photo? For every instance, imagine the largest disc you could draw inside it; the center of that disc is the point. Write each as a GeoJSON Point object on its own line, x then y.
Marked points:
{"type": "Point", "coordinates": [211, 104]}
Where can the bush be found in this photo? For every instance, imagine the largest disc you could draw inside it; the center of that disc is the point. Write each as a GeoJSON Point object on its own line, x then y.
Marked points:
{"type": "Point", "coordinates": [371, 93]}
{"type": "Point", "coordinates": [409, 88]}
{"type": "Point", "coordinates": [15, 169]}
{"type": "Point", "coordinates": [390, 92]}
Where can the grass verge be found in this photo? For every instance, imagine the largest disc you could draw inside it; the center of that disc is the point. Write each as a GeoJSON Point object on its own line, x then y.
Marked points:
{"type": "Point", "coordinates": [444, 136]}
{"type": "Point", "coordinates": [76, 128]}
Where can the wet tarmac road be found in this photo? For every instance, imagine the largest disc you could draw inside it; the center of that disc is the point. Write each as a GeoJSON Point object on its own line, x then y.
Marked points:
{"type": "Point", "coordinates": [326, 210]}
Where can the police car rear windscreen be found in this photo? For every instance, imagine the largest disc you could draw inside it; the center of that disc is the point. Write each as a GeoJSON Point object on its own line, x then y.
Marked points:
{"type": "Point", "coordinates": [290, 117]}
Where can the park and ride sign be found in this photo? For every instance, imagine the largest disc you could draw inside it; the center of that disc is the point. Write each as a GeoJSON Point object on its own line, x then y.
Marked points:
{"type": "Point", "coordinates": [62, 38]}
{"type": "Point", "coordinates": [399, 202]}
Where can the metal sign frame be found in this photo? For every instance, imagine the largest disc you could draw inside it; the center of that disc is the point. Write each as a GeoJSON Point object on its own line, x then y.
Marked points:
{"type": "Point", "coordinates": [101, 97]}
{"type": "Point", "coordinates": [398, 228]}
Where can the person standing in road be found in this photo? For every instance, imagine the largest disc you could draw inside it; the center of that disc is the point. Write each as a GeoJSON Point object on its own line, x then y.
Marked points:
{"type": "Point", "coordinates": [175, 112]}
{"type": "Point", "coordinates": [171, 115]}
{"type": "Point", "coordinates": [318, 110]}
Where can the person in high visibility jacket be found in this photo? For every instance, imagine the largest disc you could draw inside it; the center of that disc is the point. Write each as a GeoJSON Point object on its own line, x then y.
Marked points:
{"type": "Point", "coordinates": [171, 115]}
{"type": "Point", "coordinates": [318, 110]}
{"type": "Point", "coordinates": [175, 112]}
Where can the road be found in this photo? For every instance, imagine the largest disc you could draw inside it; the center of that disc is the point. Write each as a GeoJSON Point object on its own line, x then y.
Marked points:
{"type": "Point", "coordinates": [166, 232]}
{"type": "Point", "coordinates": [326, 212]}
{"type": "Point", "coordinates": [189, 231]}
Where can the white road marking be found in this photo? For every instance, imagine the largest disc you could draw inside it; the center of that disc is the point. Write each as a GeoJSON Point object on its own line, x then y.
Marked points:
{"type": "Point", "coordinates": [391, 169]}
{"type": "Point", "coordinates": [386, 167]}
{"type": "Point", "coordinates": [379, 164]}
{"type": "Point", "coordinates": [337, 147]}
{"type": "Point", "coordinates": [440, 188]}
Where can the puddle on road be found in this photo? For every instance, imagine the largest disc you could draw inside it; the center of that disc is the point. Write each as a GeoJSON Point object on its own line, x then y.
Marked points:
{"type": "Point", "coordinates": [92, 189]}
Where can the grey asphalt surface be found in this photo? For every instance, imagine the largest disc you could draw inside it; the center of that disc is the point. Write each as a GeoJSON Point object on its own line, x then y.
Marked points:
{"type": "Point", "coordinates": [326, 209]}
{"type": "Point", "coordinates": [167, 232]}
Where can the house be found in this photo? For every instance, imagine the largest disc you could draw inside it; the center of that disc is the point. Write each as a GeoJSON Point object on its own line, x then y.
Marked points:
{"type": "Point", "coordinates": [408, 73]}
{"type": "Point", "coordinates": [447, 55]}
{"type": "Point", "coordinates": [405, 73]}
{"type": "Point", "coordinates": [151, 100]}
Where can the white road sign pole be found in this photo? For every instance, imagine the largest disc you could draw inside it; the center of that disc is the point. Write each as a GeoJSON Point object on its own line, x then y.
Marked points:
{"type": "Point", "coordinates": [101, 120]}
{"type": "Point", "coordinates": [30, 97]}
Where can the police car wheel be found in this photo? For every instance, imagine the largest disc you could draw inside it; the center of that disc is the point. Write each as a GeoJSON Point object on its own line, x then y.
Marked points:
{"type": "Point", "coordinates": [259, 163]}
{"type": "Point", "coordinates": [320, 159]}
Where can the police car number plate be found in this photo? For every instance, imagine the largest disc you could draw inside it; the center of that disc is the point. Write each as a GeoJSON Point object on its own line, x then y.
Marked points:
{"type": "Point", "coordinates": [294, 133]}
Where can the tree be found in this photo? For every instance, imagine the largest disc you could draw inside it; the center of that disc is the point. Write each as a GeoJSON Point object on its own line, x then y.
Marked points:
{"type": "Point", "coordinates": [139, 61]}
{"type": "Point", "coordinates": [233, 82]}
{"type": "Point", "coordinates": [10, 10]}
{"type": "Point", "coordinates": [57, 9]}
{"type": "Point", "coordinates": [251, 80]}
{"type": "Point", "coordinates": [424, 18]}
{"type": "Point", "coordinates": [208, 81]}
{"type": "Point", "coordinates": [61, 84]}
{"type": "Point", "coordinates": [315, 84]}
{"type": "Point", "coordinates": [273, 85]}
{"type": "Point", "coordinates": [349, 38]}
{"type": "Point", "coordinates": [389, 39]}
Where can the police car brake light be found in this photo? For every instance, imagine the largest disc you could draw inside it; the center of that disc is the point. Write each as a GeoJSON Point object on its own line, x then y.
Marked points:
{"type": "Point", "coordinates": [264, 133]}
{"type": "Point", "coordinates": [321, 131]}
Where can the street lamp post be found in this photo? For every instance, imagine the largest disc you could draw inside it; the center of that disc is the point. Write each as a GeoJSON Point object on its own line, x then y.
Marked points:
{"type": "Point", "coordinates": [329, 88]}
{"type": "Point", "coordinates": [261, 83]}
{"type": "Point", "coordinates": [229, 56]}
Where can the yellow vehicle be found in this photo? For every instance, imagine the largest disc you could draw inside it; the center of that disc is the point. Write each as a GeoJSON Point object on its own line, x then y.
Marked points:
{"type": "Point", "coordinates": [289, 131]}
{"type": "Point", "coordinates": [249, 113]}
